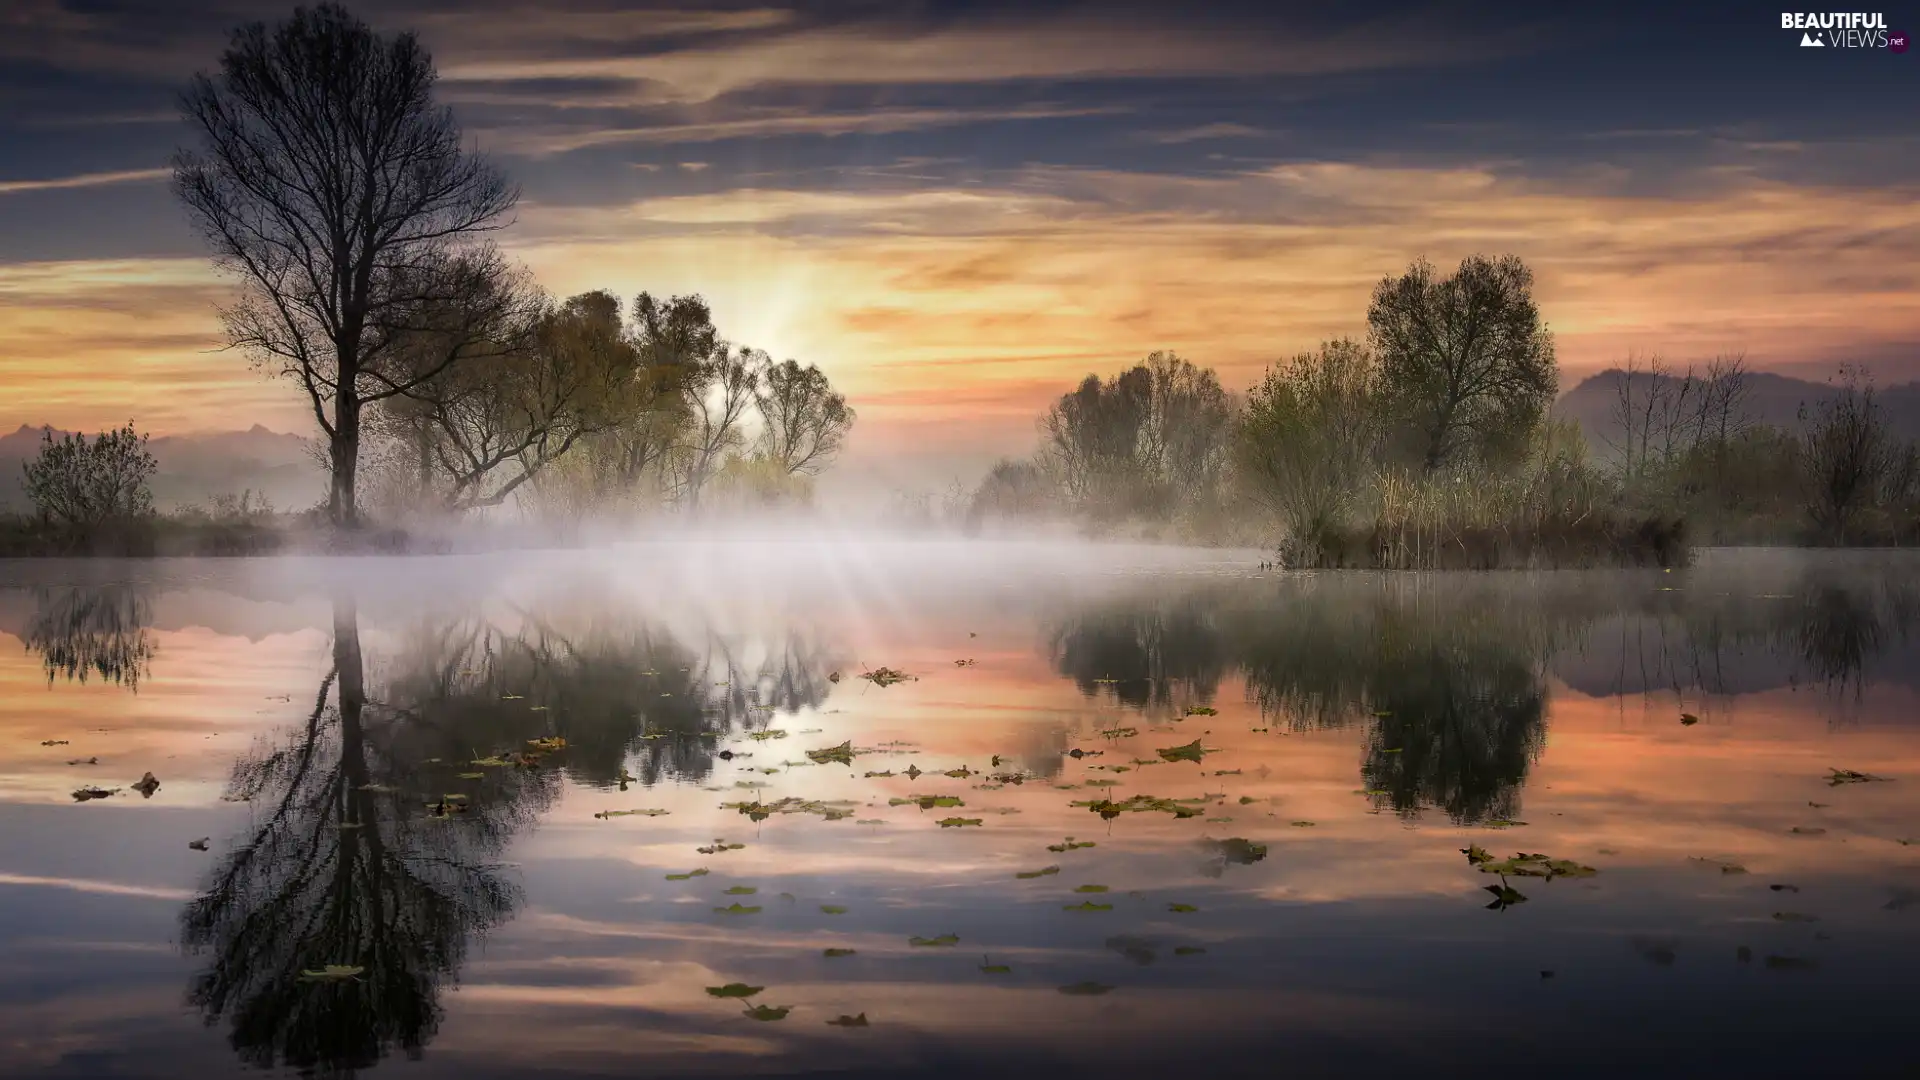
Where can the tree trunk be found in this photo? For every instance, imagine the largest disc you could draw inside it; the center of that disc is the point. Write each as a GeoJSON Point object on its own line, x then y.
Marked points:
{"type": "Point", "coordinates": [344, 453]}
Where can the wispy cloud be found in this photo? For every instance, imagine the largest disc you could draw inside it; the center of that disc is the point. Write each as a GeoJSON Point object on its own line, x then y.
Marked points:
{"type": "Point", "coordinates": [84, 180]}
{"type": "Point", "coordinates": [1203, 132]}
{"type": "Point", "coordinates": [537, 141]}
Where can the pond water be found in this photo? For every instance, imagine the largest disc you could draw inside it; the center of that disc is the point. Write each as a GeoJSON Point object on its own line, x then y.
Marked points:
{"type": "Point", "coordinates": [636, 812]}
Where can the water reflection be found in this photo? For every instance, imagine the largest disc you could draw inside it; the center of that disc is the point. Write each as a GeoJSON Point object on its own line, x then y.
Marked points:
{"type": "Point", "coordinates": [344, 869]}
{"type": "Point", "coordinates": [92, 631]}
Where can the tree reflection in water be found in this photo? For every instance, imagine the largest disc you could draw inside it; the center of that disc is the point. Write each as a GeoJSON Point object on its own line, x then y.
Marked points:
{"type": "Point", "coordinates": [85, 631]}
{"type": "Point", "coordinates": [348, 864]}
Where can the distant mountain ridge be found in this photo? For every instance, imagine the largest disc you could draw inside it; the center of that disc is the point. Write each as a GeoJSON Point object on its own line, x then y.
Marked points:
{"type": "Point", "coordinates": [195, 468]}
{"type": "Point", "coordinates": [1771, 399]}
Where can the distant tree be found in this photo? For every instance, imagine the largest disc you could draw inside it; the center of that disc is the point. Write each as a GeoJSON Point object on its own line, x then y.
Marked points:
{"type": "Point", "coordinates": [494, 423]}
{"type": "Point", "coordinates": [1013, 490]}
{"type": "Point", "coordinates": [84, 486]}
{"type": "Point", "coordinates": [1464, 359]}
{"type": "Point", "coordinates": [1846, 453]}
{"type": "Point", "coordinates": [1308, 439]}
{"type": "Point", "coordinates": [333, 186]}
{"type": "Point", "coordinates": [678, 344]}
{"type": "Point", "coordinates": [1145, 442]}
{"type": "Point", "coordinates": [716, 403]}
{"type": "Point", "coordinates": [804, 422]}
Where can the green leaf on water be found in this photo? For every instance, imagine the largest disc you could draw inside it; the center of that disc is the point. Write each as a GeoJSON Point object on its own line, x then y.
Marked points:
{"type": "Point", "coordinates": [1181, 909]}
{"type": "Point", "coordinates": [842, 754]}
{"type": "Point", "coordinates": [1028, 875]}
{"type": "Point", "coordinates": [741, 890]}
{"type": "Point", "coordinates": [1086, 989]}
{"type": "Point", "coordinates": [473, 776]}
{"type": "Point", "coordinates": [333, 973]}
{"type": "Point", "coordinates": [1089, 888]}
{"type": "Point", "coordinates": [1836, 777]}
{"type": "Point", "coordinates": [832, 953]}
{"type": "Point", "coordinates": [1504, 897]}
{"type": "Point", "coordinates": [734, 990]}
{"type": "Point", "coordinates": [1476, 854]}
{"type": "Point", "coordinates": [1540, 866]}
{"type": "Point", "coordinates": [957, 822]}
{"type": "Point", "coordinates": [1201, 710]}
{"type": "Point", "coordinates": [850, 1021]}
{"type": "Point", "coordinates": [1087, 906]}
{"type": "Point", "coordinates": [1070, 844]}
{"type": "Point", "coordinates": [736, 909]}
{"type": "Point", "coordinates": [832, 909]}
{"type": "Point", "coordinates": [941, 942]}
{"type": "Point", "coordinates": [768, 1012]}
{"type": "Point", "coordinates": [1192, 751]}
{"type": "Point", "coordinates": [1237, 850]}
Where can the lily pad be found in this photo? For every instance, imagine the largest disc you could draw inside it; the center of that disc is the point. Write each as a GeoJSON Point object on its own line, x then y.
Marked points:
{"type": "Point", "coordinates": [740, 890]}
{"type": "Point", "coordinates": [734, 990]}
{"type": "Point", "coordinates": [1070, 844]}
{"type": "Point", "coordinates": [957, 822]}
{"type": "Point", "coordinates": [1192, 751]}
{"type": "Point", "coordinates": [1540, 866]}
{"type": "Point", "coordinates": [1087, 906]}
{"type": "Point", "coordinates": [1090, 888]}
{"type": "Point", "coordinates": [1301, 824]}
{"type": "Point", "coordinates": [1237, 850]}
{"type": "Point", "coordinates": [689, 875]}
{"type": "Point", "coordinates": [842, 754]}
{"type": "Point", "coordinates": [941, 942]}
{"type": "Point", "coordinates": [736, 909]}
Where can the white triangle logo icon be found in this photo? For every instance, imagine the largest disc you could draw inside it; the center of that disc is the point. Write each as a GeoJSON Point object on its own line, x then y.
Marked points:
{"type": "Point", "coordinates": [1808, 41]}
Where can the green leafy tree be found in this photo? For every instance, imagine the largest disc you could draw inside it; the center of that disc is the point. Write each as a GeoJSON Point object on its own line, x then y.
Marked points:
{"type": "Point", "coordinates": [1465, 361]}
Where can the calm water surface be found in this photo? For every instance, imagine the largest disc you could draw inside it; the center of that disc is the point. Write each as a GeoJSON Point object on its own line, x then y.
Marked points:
{"type": "Point", "coordinates": [1136, 811]}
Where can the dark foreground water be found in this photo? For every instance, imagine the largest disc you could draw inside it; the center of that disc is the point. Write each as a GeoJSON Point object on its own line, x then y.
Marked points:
{"type": "Point", "coordinates": [636, 813]}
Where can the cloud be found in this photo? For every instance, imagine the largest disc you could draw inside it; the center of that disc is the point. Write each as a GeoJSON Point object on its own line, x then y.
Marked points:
{"type": "Point", "coordinates": [84, 180]}
{"type": "Point", "coordinates": [1206, 132]}
{"type": "Point", "coordinates": [1044, 48]}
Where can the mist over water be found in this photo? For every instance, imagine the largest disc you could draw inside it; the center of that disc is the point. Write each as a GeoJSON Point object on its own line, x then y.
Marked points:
{"type": "Point", "coordinates": [478, 789]}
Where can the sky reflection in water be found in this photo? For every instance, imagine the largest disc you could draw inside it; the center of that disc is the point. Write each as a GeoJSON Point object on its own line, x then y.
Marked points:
{"type": "Point", "coordinates": [319, 722]}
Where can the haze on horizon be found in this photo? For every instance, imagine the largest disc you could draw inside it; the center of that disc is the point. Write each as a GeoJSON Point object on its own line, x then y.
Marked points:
{"type": "Point", "coordinates": [958, 210]}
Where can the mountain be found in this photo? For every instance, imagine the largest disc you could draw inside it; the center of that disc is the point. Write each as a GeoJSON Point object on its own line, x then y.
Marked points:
{"type": "Point", "coordinates": [1771, 399]}
{"type": "Point", "coordinates": [195, 468]}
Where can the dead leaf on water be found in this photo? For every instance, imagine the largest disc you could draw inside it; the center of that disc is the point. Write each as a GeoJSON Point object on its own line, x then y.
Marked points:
{"type": "Point", "coordinates": [1201, 710]}
{"type": "Point", "coordinates": [1026, 875]}
{"type": "Point", "coordinates": [1301, 824]}
{"type": "Point", "coordinates": [886, 676]}
{"type": "Point", "coordinates": [1851, 776]}
{"type": "Point", "coordinates": [1182, 909]}
{"type": "Point", "coordinates": [146, 785]}
{"type": "Point", "coordinates": [88, 793]}
{"type": "Point", "coordinates": [843, 754]}
{"type": "Point", "coordinates": [1688, 719]}
{"type": "Point", "coordinates": [85, 761]}
{"type": "Point", "coordinates": [836, 953]}
{"type": "Point", "coordinates": [957, 822]}
{"type": "Point", "coordinates": [768, 1012]}
{"type": "Point", "coordinates": [859, 1020]}
{"type": "Point", "coordinates": [200, 844]}
{"type": "Point", "coordinates": [1192, 751]}
{"type": "Point", "coordinates": [606, 814]}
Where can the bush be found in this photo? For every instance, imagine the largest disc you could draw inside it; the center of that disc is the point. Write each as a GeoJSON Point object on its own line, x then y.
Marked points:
{"type": "Point", "coordinates": [94, 495]}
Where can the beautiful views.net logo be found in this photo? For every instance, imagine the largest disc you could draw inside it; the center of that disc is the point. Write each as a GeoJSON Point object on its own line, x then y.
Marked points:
{"type": "Point", "coordinates": [1844, 30]}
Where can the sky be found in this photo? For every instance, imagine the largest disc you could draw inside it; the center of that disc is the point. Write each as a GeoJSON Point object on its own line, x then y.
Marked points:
{"type": "Point", "coordinates": [958, 210]}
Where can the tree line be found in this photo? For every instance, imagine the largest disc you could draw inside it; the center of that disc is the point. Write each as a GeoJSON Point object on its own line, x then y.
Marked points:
{"type": "Point", "coordinates": [329, 183]}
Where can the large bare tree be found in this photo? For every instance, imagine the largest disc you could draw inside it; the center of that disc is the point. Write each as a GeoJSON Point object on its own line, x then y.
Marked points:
{"type": "Point", "coordinates": [804, 422]}
{"type": "Point", "coordinates": [328, 180]}
{"type": "Point", "coordinates": [1465, 359]}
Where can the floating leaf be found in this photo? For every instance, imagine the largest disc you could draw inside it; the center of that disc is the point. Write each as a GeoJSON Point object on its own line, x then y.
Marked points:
{"type": "Point", "coordinates": [1027, 875]}
{"type": "Point", "coordinates": [832, 954]}
{"type": "Point", "coordinates": [473, 776]}
{"type": "Point", "coordinates": [87, 793]}
{"type": "Point", "coordinates": [1182, 909]}
{"type": "Point", "coordinates": [1540, 866]}
{"type": "Point", "coordinates": [689, 875]}
{"type": "Point", "coordinates": [1192, 751]}
{"type": "Point", "coordinates": [1202, 710]}
{"type": "Point", "coordinates": [333, 973]}
{"type": "Point", "coordinates": [1504, 897]}
{"type": "Point", "coordinates": [84, 761]}
{"type": "Point", "coordinates": [736, 909]}
{"type": "Point", "coordinates": [740, 890]}
{"type": "Point", "coordinates": [1851, 776]}
{"type": "Point", "coordinates": [1476, 854]}
{"type": "Point", "coordinates": [842, 754]}
{"type": "Point", "coordinates": [871, 775]}
{"type": "Point", "coordinates": [885, 676]}
{"type": "Point", "coordinates": [1188, 950]}
{"type": "Point", "coordinates": [832, 909]}
{"type": "Point", "coordinates": [1090, 888]}
{"type": "Point", "coordinates": [734, 990]}
{"type": "Point", "coordinates": [1087, 906]}
{"type": "Point", "coordinates": [605, 814]}
{"type": "Point", "coordinates": [200, 844]}
{"type": "Point", "coordinates": [53, 742]}
{"type": "Point", "coordinates": [1803, 830]}
{"type": "Point", "coordinates": [1086, 989]}
{"type": "Point", "coordinates": [1688, 719]}
{"type": "Point", "coordinates": [941, 942]}
{"type": "Point", "coordinates": [1237, 850]}
{"type": "Point", "coordinates": [1070, 844]}
{"type": "Point", "coordinates": [1120, 732]}
{"type": "Point", "coordinates": [146, 786]}
{"type": "Point", "coordinates": [768, 1012]}
{"type": "Point", "coordinates": [859, 1020]}
{"type": "Point", "coordinates": [548, 744]}
{"type": "Point", "coordinates": [1301, 824]}
{"type": "Point", "coordinates": [957, 822]}
{"type": "Point", "coordinates": [763, 736]}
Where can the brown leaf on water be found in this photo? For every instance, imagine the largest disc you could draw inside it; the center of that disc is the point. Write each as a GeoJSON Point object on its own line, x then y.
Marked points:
{"type": "Point", "coordinates": [86, 794]}
{"type": "Point", "coordinates": [146, 785]}
{"type": "Point", "coordinates": [53, 742]}
{"type": "Point", "coordinates": [859, 1020]}
{"type": "Point", "coordinates": [200, 844]}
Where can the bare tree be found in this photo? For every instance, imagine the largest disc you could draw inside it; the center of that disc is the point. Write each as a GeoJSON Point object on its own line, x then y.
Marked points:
{"type": "Point", "coordinates": [333, 186]}
{"type": "Point", "coordinates": [1465, 358]}
{"type": "Point", "coordinates": [1847, 454]}
{"type": "Point", "coordinates": [716, 403]}
{"type": "Point", "coordinates": [804, 422]}
{"type": "Point", "coordinates": [82, 486]}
